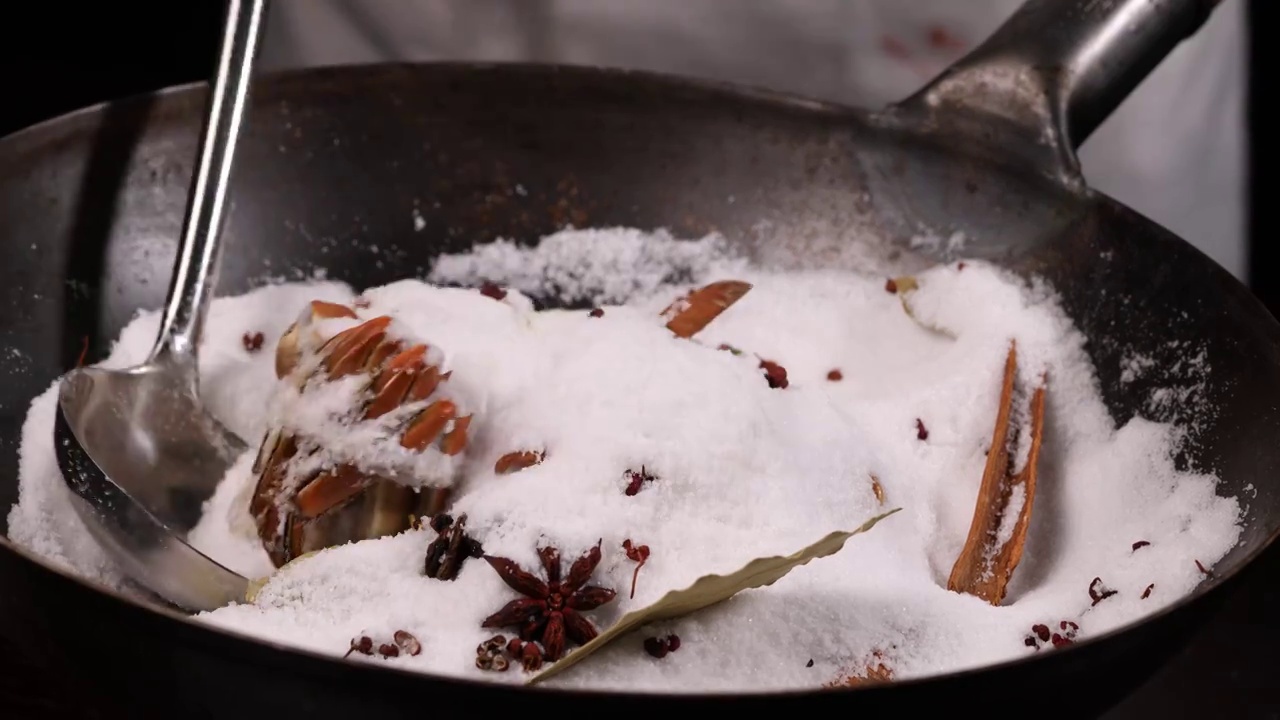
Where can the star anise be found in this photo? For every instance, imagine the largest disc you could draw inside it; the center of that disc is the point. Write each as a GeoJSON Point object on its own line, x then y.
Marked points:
{"type": "Point", "coordinates": [552, 610]}
{"type": "Point", "coordinates": [451, 547]}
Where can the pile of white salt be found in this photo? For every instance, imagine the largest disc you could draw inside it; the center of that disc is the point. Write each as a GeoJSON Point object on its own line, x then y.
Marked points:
{"type": "Point", "coordinates": [741, 470]}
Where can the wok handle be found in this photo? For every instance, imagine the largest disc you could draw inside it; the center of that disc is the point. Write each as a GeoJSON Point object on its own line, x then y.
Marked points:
{"type": "Point", "coordinates": [1054, 71]}
{"type": "Point", "coordinates": [196, 267]}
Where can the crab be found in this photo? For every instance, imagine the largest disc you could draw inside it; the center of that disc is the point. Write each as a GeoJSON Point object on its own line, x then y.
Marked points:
{"type": "Point", "coordinates": [314, 490]}
{"type": "Point", "coordinates": [308, 494]}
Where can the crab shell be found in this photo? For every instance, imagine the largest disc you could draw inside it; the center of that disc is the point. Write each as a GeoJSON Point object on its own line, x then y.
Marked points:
{"type": "Point", "coordinates": [299, 506]}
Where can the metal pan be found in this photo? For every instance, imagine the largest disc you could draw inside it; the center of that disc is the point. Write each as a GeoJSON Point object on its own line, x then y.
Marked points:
{"type": "Point", "coordinates": [90, 204]}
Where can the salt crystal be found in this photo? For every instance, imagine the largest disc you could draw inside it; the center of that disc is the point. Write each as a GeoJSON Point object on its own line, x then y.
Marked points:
{"type": "Point", "coordinates": [1134, 366]}
{"type": "Point", "coordinates": [592, 267]}
{"type": "Point", "coordinates": [740, 470]}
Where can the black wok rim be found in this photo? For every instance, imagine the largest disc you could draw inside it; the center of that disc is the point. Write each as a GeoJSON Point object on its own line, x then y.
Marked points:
{"type": "Point", "coordinates": [219, 637]}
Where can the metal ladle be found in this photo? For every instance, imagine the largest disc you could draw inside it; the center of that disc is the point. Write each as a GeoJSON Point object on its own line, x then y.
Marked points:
{"type": "Point", "coordinates": [136, 446]}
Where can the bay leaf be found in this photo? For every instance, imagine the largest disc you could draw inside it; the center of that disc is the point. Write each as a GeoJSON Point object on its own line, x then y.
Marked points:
{"type": "Point", "coordinates": [709, 590]}
{"type": "Point", "coordinates": [251, 591]}
{"type": "Point", "coordinates": [904, 285]}
{"type": "Point", "coordinates": [255, 585]}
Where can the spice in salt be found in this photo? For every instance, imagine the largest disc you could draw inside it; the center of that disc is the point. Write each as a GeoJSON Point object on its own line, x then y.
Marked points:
{"type": "Point", "coordinates": [740, 469]}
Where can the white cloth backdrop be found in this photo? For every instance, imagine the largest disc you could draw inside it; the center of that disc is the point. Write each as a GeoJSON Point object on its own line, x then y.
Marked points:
{"type": "Point", "coordinates": [1174, 150]}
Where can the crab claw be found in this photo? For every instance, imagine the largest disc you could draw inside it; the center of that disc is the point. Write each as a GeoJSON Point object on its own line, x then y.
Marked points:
{"type": "Point", "coordinates": [310, 494]}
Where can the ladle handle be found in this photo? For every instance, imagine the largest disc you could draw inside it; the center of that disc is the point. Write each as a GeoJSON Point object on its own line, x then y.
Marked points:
{"type": "Point", "coordinates": [196, 266]}
{"type": "Point", "coordinates": [1055, 70]}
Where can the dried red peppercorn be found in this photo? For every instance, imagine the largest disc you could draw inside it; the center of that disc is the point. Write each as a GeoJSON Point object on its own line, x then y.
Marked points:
{"type": "Point", "coordinates": [657, 647]}
{"type": "Point", "coordinates": [1059, 641]}
{"type": "Point", "coordinates": [1099, 592]}
{"type": "Point", "coordinates": [1030, 641]}
{"type": "Point", "coordinates": [960, 265]}
{"type": "Point", "coordinates": [775, 374]}
{"type": "Point", "coordinates": [835, 375]}
{"type": "Point", "coordinates": [636, 480]}
{"type": "Point", "coordinates": [491, 290]}
{"type": "Point", "coordinates": [639, 554]}
{"type": "Point", "coordinates": [890, 286]}
{"type": "Point", "coordinates": [388, 650]}
{"type": "Point", "coordinates": [530, 657]}
{"type": "Point", "coordinates": [362, 645]}
{"type": "Point", "coordinates": [922, 432]}
{"type": "Point", "coordinates": [407, 642]}
{"type": "Point", "coordinates": [596, 312]}
{"type": "Point", "coordinates": [1041, 631]}
{"type": "Point", "coordinates": [252, 341]}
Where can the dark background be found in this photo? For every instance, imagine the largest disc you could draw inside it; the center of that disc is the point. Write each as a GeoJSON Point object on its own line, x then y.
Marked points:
{"type": "Point", "coordinates": [60, 56]}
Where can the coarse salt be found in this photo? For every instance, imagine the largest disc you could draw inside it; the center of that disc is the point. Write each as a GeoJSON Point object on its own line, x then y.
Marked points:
{"type": "Point", "coordinates": [740, 470]}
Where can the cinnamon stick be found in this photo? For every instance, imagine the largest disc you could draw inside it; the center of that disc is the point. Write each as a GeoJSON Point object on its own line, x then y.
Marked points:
{"type": "Point", "coordinates": [696, 310]}
{"type": "Point", "coordinates": [986, 564]}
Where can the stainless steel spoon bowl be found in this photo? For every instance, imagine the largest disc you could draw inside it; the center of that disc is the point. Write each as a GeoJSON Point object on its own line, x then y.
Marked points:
{"type": "Point", "coordinates": [136, 446]}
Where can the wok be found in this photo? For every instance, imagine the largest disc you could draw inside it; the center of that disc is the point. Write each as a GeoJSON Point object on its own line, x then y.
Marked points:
{"type": "Point", "coordinates": [336, 161]}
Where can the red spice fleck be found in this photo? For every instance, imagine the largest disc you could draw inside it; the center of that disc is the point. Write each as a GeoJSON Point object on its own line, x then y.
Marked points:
{"type": "Point", "coordinates": [1099, 592]}
{"type": "Point", "coordinates": [835, 375]}
{"type": "Point", "coordinates": [1203, 570]}
{"type": "Point", "coordinates": [894, 48]}
{"type": "Point", "coordinates": [407, 642]}
{"type": "Point", "coordinates": [491, 290]}
{"type": "Point", "coordinates": [659, 647]}
{"type": "Point", "coordinates": [941, 39]}
{"type": "Point", "coordinates": [636, 480]}
{"type": "Point", "coordinates": [1147, 593]}
{"type": "Point", "coordinates": [890, 286]}
{"type": "Point", "coordinates": [639, 554]}
{"type": "Point", "coordinates": [1043, 634]}
{"type": "Point", "coordinates": [960, 265]}
{"type": "Point", "coordinates": [362, 645]}
{"type": "Point", "coordinates": [922, 433]}
{"type": "Point", "coordinates": [84, 351]}
{"type": "Point", "coordinates": [775, 374]}
{"type": "Point", "coordinates": [1140, 544]}
{"type": "Point", "coordinates": [515, 647]}
{"type": "Point", "coordinates": [596, 312]}
{"type": "Point", "coordinates": [252, 341]}
{"type": "Point", "coordinates": [388, 650]}
{"type": "Point", "coordinates": [530, 657]}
